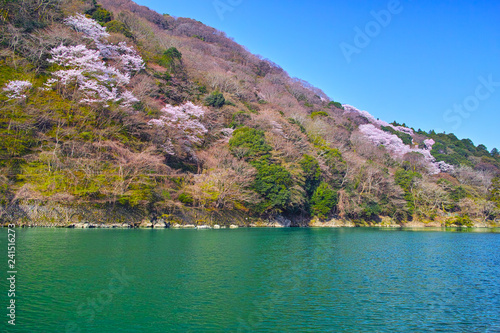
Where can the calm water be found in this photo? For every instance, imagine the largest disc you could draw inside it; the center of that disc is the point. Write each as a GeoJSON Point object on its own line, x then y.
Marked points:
{"type": "Point", "coordinates": [264, 280]}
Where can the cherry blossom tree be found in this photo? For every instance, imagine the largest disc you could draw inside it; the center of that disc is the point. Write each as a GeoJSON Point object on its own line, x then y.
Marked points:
{"type": "Point", "coordinates": [90, 28]}
{"type": "Point", "coordinates": [396, 146]}
{"type": "Point", "coordinates": [186, 119]}
{"type": "Point", "coordinates": [16, 89]}
{"type": "Point", "coordinates": [89, 70]}
{"type": "Point", "coordinates": [96, 80]}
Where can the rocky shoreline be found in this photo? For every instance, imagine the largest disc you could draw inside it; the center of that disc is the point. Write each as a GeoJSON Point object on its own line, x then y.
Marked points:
{"type": "Point", "coordinates": [110, 217]}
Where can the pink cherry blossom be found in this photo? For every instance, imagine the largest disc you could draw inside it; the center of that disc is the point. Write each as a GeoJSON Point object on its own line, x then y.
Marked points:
{"type": "Point", "coordinates": [398, 149]}
{"type": "Point", "coordinates": [16, 89]}
{"type": "Point", "coordinates": [95, 80]}
{"type": "Point", "coordinates": [90, 28]}
{"type": "Point", "coordinates": [185, 118]}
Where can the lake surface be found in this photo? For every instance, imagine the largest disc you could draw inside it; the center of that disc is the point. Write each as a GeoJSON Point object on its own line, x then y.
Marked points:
{"type": "Point", "coordinates": [254, 280]}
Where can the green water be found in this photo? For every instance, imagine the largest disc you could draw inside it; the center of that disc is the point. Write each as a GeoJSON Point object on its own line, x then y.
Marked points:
{"type": "Point", "coordinates": [253, 280]}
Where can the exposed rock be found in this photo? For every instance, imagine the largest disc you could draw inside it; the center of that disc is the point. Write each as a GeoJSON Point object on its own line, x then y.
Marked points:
{"type": "Point", "coordinates": [279, 222]}
{"type": "Point", "coordinates": [233, 226]}
{"type": "Point", "coordinates": [204, 227]}
{"type": "Point", "coordinates": [146, 224]}
{"type": "Point", "coordinates": [216, 226]}
{"type": "Point", "coordinates": [189, 226]}
{"type": "Point", "coordinates": [333, 223]}
{"type": "Point", "coordinates": [160, 224]}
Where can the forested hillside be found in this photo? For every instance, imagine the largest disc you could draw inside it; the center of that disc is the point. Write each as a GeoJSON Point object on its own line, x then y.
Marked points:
{"type": "Point", "coordinates": [111, 105]}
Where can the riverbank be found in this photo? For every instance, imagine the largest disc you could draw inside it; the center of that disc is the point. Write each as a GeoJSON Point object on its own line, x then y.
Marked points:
{"type": "Point", "coordinates": [109, 217]}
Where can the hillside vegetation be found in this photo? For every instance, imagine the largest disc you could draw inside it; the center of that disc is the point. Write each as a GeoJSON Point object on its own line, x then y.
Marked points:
{"type": "Point", "coordinates": [113, 105]}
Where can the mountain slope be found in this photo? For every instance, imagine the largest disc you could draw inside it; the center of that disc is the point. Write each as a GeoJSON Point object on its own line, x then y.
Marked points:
{"type": "Point", "coordinates": [116, 107]}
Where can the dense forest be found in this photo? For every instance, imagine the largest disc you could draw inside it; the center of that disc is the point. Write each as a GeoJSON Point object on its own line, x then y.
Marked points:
{"type": "Point", "coordinates": [113, 106]}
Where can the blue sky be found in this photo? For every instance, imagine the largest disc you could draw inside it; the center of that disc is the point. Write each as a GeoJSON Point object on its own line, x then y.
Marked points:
{"type": "Point", "coordinates": [430, 64]}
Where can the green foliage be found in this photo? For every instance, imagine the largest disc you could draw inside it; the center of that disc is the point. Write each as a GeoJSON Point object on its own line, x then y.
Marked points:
{"type": "Point", "coordinates": [462, 220]}
{"type": "Point", "coordinates": [407, 139]}
{"type": "Point", "coordinates": [118, 27]}
{"type": "Point", "coordinates": [48, 180]}
{"type": "Point", "coordinates": [100, 14]}
{"type": "Point", "coordinates": [323, 200]}
{"type": "Point", "coordinates": [370, 209]}
{"type": "Point", "coordinates": [172, 59]}
{"type": "Point", "coordinates": [186, 198]}
{"type": "Point", "coordinates": [308, 105]}
{"type": "Point", "coordinates": [407, 179]}
{"type": "Point", "coordinates": [318, 113]}
{"type": "Point", "coordinates": [273, 182]}
{"type": "Point", "coordinates": [137, 193]}
{"type": "Point", "coordinates": [450, 149]}
{"type": "Point", "coordinates": [336, 104]}
{"type": "Point", "coordinates": [215, 99]}
{"type": "Point", "coordinates": [202, 89]}
{"type": "Point", "coordinates": [312, 174]}
{"type": "Point", "coordinates": [249, 143]}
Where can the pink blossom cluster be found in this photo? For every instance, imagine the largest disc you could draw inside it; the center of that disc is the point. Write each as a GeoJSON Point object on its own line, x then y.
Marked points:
{"type": "Point", "coordinates": [428, 143]}
{"type": "Point", "coordinates": [98, 82]}
{"type": "Point", "coordinates": [90, 28]}
{"type": "Point", "coordinates": [16, 89]}
{"type": "Point", "coordinates": [185, 118]}
{"type": "Point", "coordinates": [126, 56]}
{"type": "Point", "coordinates": [373, 120]}
{"type": "Point", "coordinates": [396, 146]}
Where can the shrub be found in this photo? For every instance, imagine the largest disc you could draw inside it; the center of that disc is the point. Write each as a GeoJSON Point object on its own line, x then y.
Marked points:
{"type": "Point", "coordinates": [186, 198]}
{"type": "Point", "coordinates": [318, 113]}
{"type": "Point", "coordinates": [249, 142]}
{"type": "Point", "coordinates": [100, 14]}
{"type": "Point", "coordinates": [216, 99]}
{"type": "Point", "coordinates": [273, 182]}
{"type": "Point", "coordinates": [312, 173]}
{"type": "Point", "coordinates": [370, 209]}
{"type": "Point", "coordinates": [118, 27]}
{"type": "Point", "coordinates": [172, 59]}
{"type": "Point", "coordinates": [323, 201]}
{"type": "Point", "coordinates": [462, 220]}
{"type": "Point", "coordinates": [336, 104]}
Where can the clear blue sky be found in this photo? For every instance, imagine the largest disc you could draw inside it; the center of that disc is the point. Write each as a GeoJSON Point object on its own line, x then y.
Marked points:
{"type": "Point", "coordinates": [425, 57]}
